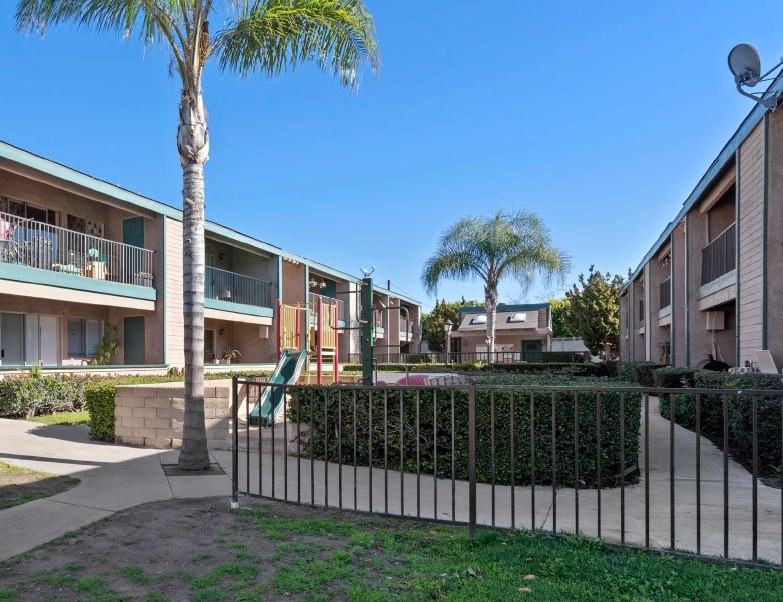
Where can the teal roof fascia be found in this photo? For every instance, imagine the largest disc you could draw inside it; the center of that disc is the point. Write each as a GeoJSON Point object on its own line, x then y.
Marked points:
{"type": "Point", "coordinates": [726, 154]}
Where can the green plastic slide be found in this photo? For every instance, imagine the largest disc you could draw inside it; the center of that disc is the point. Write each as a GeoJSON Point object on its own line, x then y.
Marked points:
{"type": "Point", "coordinates": [271, 401]}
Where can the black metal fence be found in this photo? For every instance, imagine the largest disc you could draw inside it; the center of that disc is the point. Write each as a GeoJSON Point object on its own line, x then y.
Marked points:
{"type": "Point", "coordinates": [608, 462]}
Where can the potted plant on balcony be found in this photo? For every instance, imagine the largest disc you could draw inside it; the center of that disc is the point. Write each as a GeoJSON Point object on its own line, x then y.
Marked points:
{"type": "Point", "coordinates": [230, 354]}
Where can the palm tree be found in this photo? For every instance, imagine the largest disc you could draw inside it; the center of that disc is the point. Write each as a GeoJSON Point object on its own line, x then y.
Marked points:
{"type": "Point", "coordinates": [263, 36]}
{"type": "Point", "coordinates": [508, 244]}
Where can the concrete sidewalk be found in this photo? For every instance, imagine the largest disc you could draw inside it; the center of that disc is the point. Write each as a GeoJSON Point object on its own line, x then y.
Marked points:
{"type": "Point", "coordinates": [113, 478]}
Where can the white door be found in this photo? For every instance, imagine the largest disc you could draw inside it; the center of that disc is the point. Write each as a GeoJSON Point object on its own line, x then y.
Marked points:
{"type": "Point", "coordinates": [48, 329]}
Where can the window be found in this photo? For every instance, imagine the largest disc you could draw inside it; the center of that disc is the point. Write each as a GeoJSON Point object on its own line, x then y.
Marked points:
{"type": "Point", "coordinates": [518, 317]}
{"type": "Point", "coordinates": [482, 319]}
{"type": "Point", "coordinates": [84, 336]}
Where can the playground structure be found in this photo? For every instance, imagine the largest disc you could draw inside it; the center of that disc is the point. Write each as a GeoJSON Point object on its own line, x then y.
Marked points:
{"type": "Point", "coordinates": [312, 328]}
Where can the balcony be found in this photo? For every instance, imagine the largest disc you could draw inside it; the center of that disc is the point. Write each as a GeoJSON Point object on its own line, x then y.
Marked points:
{"type": "Point", "coordinates": [31, 244]}
{"type": "Point", "coordinates": [720, 256]}
{"type": "Point", "coordinates": [666, 293]}
{"type": "Point", "coordinates": [230, 287]}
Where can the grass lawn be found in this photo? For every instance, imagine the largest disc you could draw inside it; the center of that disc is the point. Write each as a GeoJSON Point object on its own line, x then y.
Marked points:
{"type": "Point", "coordinates": [71, 418]}
{"type": "Point", "coordinates": [201, 551]}
{"type": "Point", "coordinates": [22, 485]}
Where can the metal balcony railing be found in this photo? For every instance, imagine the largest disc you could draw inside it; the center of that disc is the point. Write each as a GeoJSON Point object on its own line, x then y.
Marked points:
{"type": "Point", "coordinates": [236, 288]}
{"type": "Point", "coordinates": [720, 256]}
{"type": "Point", "coordinates": [37, 245]}
{"type": "Point", "coordinates": [666, 293]}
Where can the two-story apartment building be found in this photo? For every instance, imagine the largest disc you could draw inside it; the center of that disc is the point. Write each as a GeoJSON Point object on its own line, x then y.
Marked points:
{"type": "Point", "coordinates": [78, 255]}
{"type": "Point", "coordinates": [710, 283]}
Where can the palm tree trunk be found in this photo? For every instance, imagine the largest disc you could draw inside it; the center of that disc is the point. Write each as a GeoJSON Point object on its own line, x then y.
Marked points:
{"type": "Point", "coordinates": [193, 146]}
{"type": "Point", "coordinates": [491, 305]}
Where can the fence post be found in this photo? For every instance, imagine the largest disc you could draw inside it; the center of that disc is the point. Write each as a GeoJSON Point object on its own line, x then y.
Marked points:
{"type": "Point", "coordinates": [472, 456]}
{"type": "Point", "coordinates": [235, 444]}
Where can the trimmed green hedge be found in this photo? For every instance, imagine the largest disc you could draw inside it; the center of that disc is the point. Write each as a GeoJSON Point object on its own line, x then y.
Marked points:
{"type": "Point", "coordinates": [434, 423]}
{"type": "Point", "coordinates": [673, 378]}
{"type": "Point", "coordinates": [100, 405]}
{"type": "Point", "coordinates": [639, 372]}
{"type": "Point", "coordinates": [27, 396]}
{"type": "Point", "coordinates": [578, 369]}
{"type": "Point", "coordinates": [740, 413]}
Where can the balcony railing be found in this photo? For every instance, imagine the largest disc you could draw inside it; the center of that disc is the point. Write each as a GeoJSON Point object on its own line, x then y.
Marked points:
{"type": "Point", "coordinates": [666, 293]}
{"type": "Point", "coordinates": [237, 288]}
{"type": "Point", "coordinates": [37, 245]}
{"type": "Point", "coordinates": [312, 299]}
{"type": "Point", "coordinates": [720, 256]}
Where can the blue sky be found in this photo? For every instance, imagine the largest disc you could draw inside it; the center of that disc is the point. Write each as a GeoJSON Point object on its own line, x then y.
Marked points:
{"type": "Point", "coordinates": [601, 117]}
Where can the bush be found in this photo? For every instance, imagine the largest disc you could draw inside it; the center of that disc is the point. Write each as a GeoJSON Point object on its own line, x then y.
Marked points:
{"type": "Point", "coordinates": [577, 369]}
{"type": "Point", "coordinates": [739, 408]}
{"type": "Point", "coordinates": [27, 395]}
{"type": "Point", "coordinates": [100, 404]}
{"type": "Point", "coordinates": [638, 372]}
{"type": "Point", "coordinates": [379, 416]}
{"type": "Point", "coordinates": [673, 378]}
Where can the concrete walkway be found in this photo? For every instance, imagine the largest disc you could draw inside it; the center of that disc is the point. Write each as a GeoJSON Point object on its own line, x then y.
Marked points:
{"type": "Point", "coordinates": [112, 478]}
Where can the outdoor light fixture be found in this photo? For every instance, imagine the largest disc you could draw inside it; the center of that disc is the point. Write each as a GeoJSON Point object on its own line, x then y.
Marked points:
{"type": "Point", "coordinates": [447, 324]}
{"type": "Point", "coordinates": [745, 64]}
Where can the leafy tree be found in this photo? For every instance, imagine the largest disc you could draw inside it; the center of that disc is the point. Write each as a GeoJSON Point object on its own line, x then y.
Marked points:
{"type": "Point", "coordinates": [508, 244]}
{"type": "Point", "coordinates": [432, 323]}
{"type": "Point", "coordinates": [595, 311]}
{"type": "Point", "coordinates": [262, 36]}
{"type": "Point", "coordinates": [561, 312]}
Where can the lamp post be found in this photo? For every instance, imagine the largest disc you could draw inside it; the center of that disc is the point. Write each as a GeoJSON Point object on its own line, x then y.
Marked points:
{"type": "Point", "coordinates": [447, 330]}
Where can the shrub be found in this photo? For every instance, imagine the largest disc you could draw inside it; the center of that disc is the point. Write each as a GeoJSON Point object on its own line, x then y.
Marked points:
{"type": "Point", "coordinates": [611, 368]}
{"type": "Point", "coordinates": [638, 372]}
{"type": "Point", "coordinates": [739, 408]}
{"type": "Point", "coordinates": [27, 396]}
{"type": "Point", "coordinates": [578, 369]}
{"type": "Point", "coordinates": [673, 378]}
{"type": "Point", "coordinates": [378, 414]}
{"type": "Point", "coordinates": [100, 404]}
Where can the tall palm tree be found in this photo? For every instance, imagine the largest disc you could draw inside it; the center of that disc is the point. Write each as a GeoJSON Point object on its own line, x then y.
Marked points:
{"type": "Point", "coordinates": [515, 244]}
{"type": "Point", "coordinates": [263, 36]}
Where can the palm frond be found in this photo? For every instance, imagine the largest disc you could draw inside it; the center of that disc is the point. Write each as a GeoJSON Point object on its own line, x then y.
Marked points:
{"type": "Point", "coordinates": [275, 36]}
{"type": "Point", "coordinates": [124, 17]}
{"type": "Point", "coordinates": [507, 244]}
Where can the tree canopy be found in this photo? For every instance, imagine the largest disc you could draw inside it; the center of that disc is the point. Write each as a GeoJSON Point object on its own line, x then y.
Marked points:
{"type": "Point", "coordinates": [595, 311]}
{"type": "Point", "coordinates": [432, 323]}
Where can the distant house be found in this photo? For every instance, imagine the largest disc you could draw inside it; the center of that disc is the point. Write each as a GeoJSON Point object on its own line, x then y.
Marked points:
{"type": "Point", "coordinates": [522, 332]}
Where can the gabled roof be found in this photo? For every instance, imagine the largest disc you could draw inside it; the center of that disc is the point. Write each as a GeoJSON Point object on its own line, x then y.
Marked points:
{"type": "Point", "coordinates": [507, 317]}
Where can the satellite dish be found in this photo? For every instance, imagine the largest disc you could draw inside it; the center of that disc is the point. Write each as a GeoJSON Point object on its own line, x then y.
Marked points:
{"type": "Point", "coordinates": [745, 64]}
